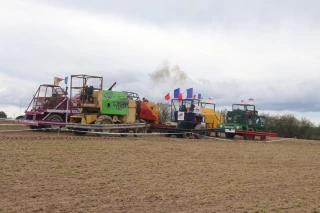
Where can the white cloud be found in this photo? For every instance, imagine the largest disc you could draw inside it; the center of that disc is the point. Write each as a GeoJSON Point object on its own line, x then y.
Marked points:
{"type": "Point", "coordinates": [277, 64]}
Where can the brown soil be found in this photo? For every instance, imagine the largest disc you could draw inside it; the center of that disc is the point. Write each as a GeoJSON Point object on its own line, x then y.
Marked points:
{"type": "Point", "coordinates": [47, 172]}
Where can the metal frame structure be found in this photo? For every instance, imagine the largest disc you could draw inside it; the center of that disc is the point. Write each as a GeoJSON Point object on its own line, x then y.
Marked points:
{"type": "Point", "coordinates": [49, 107]}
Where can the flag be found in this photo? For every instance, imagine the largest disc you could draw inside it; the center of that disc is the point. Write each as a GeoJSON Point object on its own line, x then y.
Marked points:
{"type": "Point", "coordinates": [57, 80]}
{"type": "Point", "coordinates": [66, 80]}
{"type": "Point", "coordinates": [242, 101]}
{"type": "Point", "coordinates": [167, 96]}
{"type": "Point", "coordinates": [189, 93]}
{"type": "Point", "coordinates": [210, 99]}
{"type": "Point", "coordinates": [197, 96]}
{"type": "Point", "coordinates": [251, 100]}
{"type": "Point", "coordinates": [176, 93]}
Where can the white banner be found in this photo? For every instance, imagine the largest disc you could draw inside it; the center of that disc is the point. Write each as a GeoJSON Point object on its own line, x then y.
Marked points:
{"type": "Point", "coordinates": [197, 109]}
{"type": "Point", "coordinates": [180, 116]}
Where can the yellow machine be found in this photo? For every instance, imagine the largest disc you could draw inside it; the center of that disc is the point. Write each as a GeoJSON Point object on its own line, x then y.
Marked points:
{"type": "Point", "coordinates": [212, 118]}
{"type": "Point", "coordinates": [100, 106]}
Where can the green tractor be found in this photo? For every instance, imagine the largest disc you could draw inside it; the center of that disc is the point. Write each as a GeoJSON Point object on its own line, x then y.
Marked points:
{"type": "Point", "coordinates": [242, 119]}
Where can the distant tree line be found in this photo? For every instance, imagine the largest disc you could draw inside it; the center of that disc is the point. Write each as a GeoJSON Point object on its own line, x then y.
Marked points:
{"type": "Point", "coordinates": [289, 126]}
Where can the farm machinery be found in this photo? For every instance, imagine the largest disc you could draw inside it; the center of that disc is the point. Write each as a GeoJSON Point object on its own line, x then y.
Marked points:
{"type": "Point", "coordinates": [192, 115]}
{"type": "Point", "coordinates": [244, 120]}
{"type": "Point", "coordinates": [50, 107]}
{"type": "Point", "coordinates": [108, 110]}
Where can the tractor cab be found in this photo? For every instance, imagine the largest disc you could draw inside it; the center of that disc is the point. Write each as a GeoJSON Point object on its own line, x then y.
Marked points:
{"type": "Point", "coordinates": [186, 113]}
{"type": "Point", "coordinates": [50, 106]}
{"type": "Point", "coordinates": [245, 116]}
{"type": "Point", "coordinates": [48, 97]}
{"type": "Point", "coordinates": [84, 90]}
{"type": "Point", "coordinates": [242, 113]}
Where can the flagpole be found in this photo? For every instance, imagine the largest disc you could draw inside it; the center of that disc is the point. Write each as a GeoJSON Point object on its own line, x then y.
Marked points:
{"type": "Point", "coordinates": [68, 99]}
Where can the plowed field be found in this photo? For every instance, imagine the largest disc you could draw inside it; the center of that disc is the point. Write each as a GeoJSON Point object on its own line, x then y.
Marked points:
{"type": "Point", "coordinates": [51, 172]}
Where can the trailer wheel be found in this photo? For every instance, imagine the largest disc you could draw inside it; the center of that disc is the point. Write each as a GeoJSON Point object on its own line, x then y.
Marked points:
{"type": "Point", "coordinates": [53, 118]}
{"type": "Point", "coordinates": [104, 119]}
{"type": "Point", "coordinates": [218, 134]}
{"type": "Point", "coordinates": [139, 130]}
{"type": "Point", "coordinates": [230, 135]}
{"type": "Point", "coordinates": [180, 135]}
{"type": "Point", "coordinates": [248, 136]}
{"type": "Point", "coordinates": [80, 131]}
{"type": "Point", "coordinates": [200, 126]}
{"type": "Point", "coordinates": [124, 131]}
{"type": "Point", "coordinates": [263, 138]}
{"type": "Point", "coordinates": [35, 127]}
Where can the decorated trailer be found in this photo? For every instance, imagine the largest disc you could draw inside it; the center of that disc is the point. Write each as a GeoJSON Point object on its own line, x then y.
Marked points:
{"type": "Point", "coordinates": [50, 107]}
{"type": "Point", "coordinates": [192, 116]}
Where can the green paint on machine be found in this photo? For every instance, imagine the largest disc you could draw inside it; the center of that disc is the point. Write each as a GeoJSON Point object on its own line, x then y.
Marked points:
{"type": "Point", "coordinates": [114, 103]}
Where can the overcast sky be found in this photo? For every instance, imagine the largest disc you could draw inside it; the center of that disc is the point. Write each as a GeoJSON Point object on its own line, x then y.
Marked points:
{"type": "Point", "coordinates": [229, 50]}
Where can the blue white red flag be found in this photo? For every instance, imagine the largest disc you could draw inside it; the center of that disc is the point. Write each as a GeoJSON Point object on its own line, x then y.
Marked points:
{"type": "Point", "coordinates": [175, 94]}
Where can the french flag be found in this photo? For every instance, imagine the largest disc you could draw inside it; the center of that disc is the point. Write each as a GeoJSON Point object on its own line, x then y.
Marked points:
{"type": "Point", "coordinates": [175, 94]}
{"type": "Point", "coordinates": [188, 94]}
{"type": "Point", "coordinates": [197, 96]}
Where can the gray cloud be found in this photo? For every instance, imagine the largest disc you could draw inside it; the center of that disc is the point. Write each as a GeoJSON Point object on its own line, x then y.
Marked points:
{"type": "Point", "coordinates": [229, 50]}
{"type": "Point", "coordinates": [228, 13]}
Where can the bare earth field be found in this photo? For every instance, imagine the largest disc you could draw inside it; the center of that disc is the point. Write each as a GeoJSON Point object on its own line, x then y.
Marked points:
{"type": "Point", "coordinates": [44, 172]}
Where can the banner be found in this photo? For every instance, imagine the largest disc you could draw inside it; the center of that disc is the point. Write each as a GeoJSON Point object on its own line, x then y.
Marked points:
{"type": "Point", "coordinates": [180, 116]}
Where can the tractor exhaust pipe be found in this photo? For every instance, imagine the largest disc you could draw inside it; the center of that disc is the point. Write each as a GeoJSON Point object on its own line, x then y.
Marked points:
{"type": "Point", "coordinates": [112, 86]}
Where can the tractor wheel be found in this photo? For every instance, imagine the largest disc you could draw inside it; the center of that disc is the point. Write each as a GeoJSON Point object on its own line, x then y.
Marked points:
{"type": "Point", "coordinates": [35, 127]}
{"type": "Point", "coordinates": [230, 135]}
{"type": "Point", "coordinates": [53, 118]}
{"type": "Point", "coordinates": [139, 130]}
{"type": "Point", "coordinates": [104, 119]}
{"type": "Point", "coordinates": [124, 131]}
{"type": "Point", "coordinates": [80, 131]}
{"type": "Point", "coordinates": [180, 135]}
{"type": "Point", "coordinates": [248, 136]}
{"type": "Point", "coordinates": [263, 138]}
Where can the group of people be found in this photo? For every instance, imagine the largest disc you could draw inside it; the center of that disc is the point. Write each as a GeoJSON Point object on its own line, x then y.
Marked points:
{"type": "Point", "coordinates": [183, 108]}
